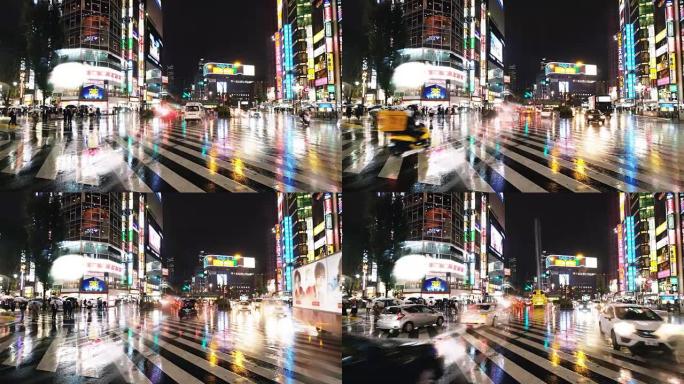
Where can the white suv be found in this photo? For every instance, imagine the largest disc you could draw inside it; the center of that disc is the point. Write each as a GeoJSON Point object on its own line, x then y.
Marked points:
{"type": "Point", "coordinates": [635, 326]}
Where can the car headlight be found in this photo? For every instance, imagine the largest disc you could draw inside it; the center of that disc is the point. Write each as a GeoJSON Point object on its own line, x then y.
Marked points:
{"type": "Point", "coordinates": [624, 329]}
{"type": "Point", "coordinates": [666, 330]}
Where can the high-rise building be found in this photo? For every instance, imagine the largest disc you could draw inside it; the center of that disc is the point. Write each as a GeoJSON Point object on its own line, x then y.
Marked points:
{"type": "Point", "coordinates": [649, 235]}
{"type": "Point", "coordinates": [228, 275]}
{"type": "Point", "coordinates": [454, 245]}
{"type": "Point", "coordinates": [112, 53]}
{"type": "Point", "coordinates": [113, 242]}
{"type": "Point", "coordinates": [232, 83]}
{"type": "Point", "coordinates": [309, 228]}
{"type": "Point", "coordinates": [308, 50]}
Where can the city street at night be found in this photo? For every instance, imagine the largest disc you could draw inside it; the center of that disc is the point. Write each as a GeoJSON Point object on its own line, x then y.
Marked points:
{"type": "Point", "coordinates": [538, 345]}
{"type": "Point", "coordinates": [520, 152]}
{"type": "Point", "coordinates": [121, 153]}
{"type": "Point", "coordinates": [123, 345]}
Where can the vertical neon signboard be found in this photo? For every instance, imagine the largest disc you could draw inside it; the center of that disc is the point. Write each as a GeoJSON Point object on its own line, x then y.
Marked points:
{"type": "Point", "coordinates": [483, 46]}
{"type": "Point", "coordinates": [484, 273]}
{"type": "Point", "coordinates": [141, 238]}
{"type": "Point", "coordinates": [287, 241]}
{"type": "Point", "coordinates": [279, 66]}
{"type": "Point", "coordinates": [630, 64]}
{"type": "Point", "coordinates": [671, 233]}
{"type": "Point", "coordinates": [141, 48]}
{"type": "Point", "coordinates": [621, 258]}
{"type": "Point", "coordinates": [630, 249]}
{"type": "Point", "coordinates": [289, 66]}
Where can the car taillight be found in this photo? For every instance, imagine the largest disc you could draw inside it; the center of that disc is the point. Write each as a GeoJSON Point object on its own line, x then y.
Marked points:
{"type": "Point", "coordinates": [400, 316]}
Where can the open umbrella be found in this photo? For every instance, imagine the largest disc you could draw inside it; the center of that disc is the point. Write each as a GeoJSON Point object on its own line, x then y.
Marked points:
{"type": "Point", "coordinates": [20, 299]}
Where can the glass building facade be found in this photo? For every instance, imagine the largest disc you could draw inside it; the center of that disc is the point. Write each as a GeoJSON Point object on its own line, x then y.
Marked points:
{"type": "Point", "coordinates": [436, 24]}
{"type": "Point", "coordinates": [435, 217]}
{"type": "Point", "coordinates": [92, 32]}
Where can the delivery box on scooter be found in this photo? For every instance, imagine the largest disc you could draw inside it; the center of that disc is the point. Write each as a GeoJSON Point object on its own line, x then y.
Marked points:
{"type": "Point", "coordinates": [392, 121]}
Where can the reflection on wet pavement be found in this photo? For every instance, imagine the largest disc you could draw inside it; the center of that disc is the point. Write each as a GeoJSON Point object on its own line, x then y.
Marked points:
{"type": "Point", "coordinates": [118, 153]}
{"type": "Point", "coordinates": [521, 153]}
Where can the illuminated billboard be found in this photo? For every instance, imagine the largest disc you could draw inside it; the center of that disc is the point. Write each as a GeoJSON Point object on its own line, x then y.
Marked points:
{"type": "Point", "coordinates": [496, 239]}
{"type": "Point", "coordinates": [93, 285]}
{"type": "Point", "coordinates": [93, 93]}
{"type": "Point", "coordinates": [496, 48]}
{"type": "Point", "coordinates": [155, 48]}
{"type": "Point", "coordinates": [435, 92]}
{"type": "Point", "coordinates": [226, 69]}
{"type": "Point", "coordinates": [571, 261]}
{"type": "Point", "coordinates": [155, 239]}
{"type": "Point", "coordinates": [435, 285]}
{"type": "Point", "coordinates": [555, 68]}
{"type": "Point", "coordinates": [317, 285]}
{"type": "Point", "coordinates": [223, 261]}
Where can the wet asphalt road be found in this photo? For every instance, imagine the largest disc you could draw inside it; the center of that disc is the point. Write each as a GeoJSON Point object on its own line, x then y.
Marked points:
{"type": "Point", "coordinates": [535, 346]}
{"type": "Point", "coordinates": [119, 153]}
{"type": "Point", "coordinates": [123, 345]}
{"type": "Point", "coordinates": [523, 153]}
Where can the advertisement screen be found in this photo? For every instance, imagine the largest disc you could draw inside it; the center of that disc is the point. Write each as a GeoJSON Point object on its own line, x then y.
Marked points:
{"type": "Point", "coordinates": [435, 92]}
{"type": "Point", "coordinates": [496, 48]}
{"type": "Point", "coordinates": [155, 49]}
{"type": "Point", "coordinates": [93, 285]}
{"type": "Point", "coordinates": [155, 239]}
{"type": "Point", "coordinates": [435, 285]}
{"type": "Point", "coordinates": [496, 240]}
{"type": "Point", "coordinates": [93, 93]}
{"type": "Point", "coordinates": [317, 285]}
{"type": "Point", "coordinates": [226, 69]}
{"type": "Point", "coordinates": [228, 261]}
{"type": "Point", "coordinates": [571, 261]}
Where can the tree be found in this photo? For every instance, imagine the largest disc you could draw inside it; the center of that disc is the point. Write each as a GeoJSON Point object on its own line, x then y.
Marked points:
{"type": "Point", "coordinates": [45, 230]}
{"type": "Point", "coordinates": [44, 36]}
{"type": "Point", "coordinates": [386, 35]}
{"type": "Point", "coordinates": [386, 230]}
{"type": "Point", "coordinates": [12, 50]}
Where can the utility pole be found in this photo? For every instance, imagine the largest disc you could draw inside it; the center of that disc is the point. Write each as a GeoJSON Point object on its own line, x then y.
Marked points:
{"type": "Point", "coordinates": [537, 250]}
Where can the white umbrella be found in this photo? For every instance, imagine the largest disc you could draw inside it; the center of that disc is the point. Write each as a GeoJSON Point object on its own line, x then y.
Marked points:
{"type": "Point", "coordinates": [19, 299]}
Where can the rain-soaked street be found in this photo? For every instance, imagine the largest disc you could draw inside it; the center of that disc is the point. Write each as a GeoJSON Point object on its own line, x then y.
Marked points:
{"type": "Point", "coordinates": [534, 346]}
{"type": "Point", "coordinates": [119, 153]}
{"type": "Point", "coordinates": [524, 153]}
{"type": "Point", "coordinates": [122, 345]}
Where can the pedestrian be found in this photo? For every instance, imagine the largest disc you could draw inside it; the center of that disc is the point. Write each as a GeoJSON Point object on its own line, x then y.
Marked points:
{"type": "Point", "coordinates": [354, 308]}
{"type": "Point", "coordinates": [13, 117]}
{"type": "Point", "coordinates": [55, 307]}
{"type": "Point", "coordinates": [376, 311]}
{"type": "Point", "coordinates": [368, 308]}
{"type": "Point", "coordinates": [349, 112]}
{"type": "Point", "coordinates": [22, 308]}
{"type": "Point", "coordinates": [70, 116]}
{"type": "Point", "coordinates": [13, 305]}
{"type": "Point", "coordinates": [65, 116]}
{"type": "Point", "coordinates": [65, 308]}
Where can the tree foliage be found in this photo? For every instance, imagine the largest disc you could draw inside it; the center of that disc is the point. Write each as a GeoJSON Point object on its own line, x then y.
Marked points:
{"type": "Point", "coordinates": [45, 229]}
{"type": "Point", "coordinates": [44, 36]}
{"type": "Point", "coordinates": [386, 35]}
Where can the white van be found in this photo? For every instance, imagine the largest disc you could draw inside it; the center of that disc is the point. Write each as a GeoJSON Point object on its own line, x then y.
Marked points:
{"type": "Point", "coordinates": [193, 111]}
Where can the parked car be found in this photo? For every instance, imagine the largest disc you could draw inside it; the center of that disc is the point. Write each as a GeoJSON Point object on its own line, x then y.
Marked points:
{"type": "Point", "coordinates": [406, 318]}
{"type": "Point", "coordinates": [384, 302]}
{"type": "Point", "coordinates": [637, 327]}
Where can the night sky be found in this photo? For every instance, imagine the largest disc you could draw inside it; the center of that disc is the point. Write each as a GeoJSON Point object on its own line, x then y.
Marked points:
{"type": "Point", "coordinates": [217, 223]}
{"type": "Point", "coordinates": [571, 31]}
{"type": "Point", "coordinates": [218, 30]}
{"type": "Point", "coordinates": [570, 224]}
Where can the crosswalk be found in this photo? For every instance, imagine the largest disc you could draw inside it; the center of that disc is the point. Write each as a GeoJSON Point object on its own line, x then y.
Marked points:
{"type": "Point", "coordinates": [534, 352]}
{"type": "Point", "coordinates": [208, 156]}
{"type": "Point", "coordinates": [518, 157]}
{"type": "Point", "coordinates": [163, 349]}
